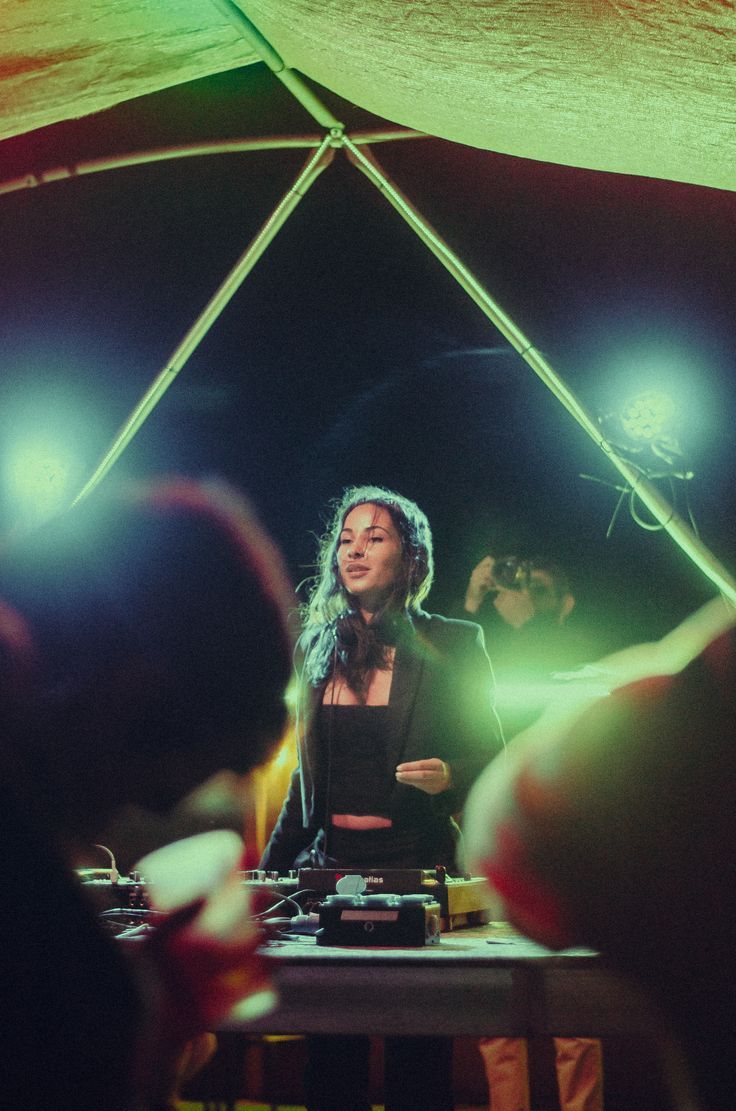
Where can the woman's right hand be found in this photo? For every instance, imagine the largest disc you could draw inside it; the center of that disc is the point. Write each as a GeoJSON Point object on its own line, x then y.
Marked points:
{"type": "Point", "coordinates": [431, 776]}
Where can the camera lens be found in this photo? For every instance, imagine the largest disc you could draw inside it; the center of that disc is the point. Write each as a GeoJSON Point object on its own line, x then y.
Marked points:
{"type": "Point", "coordinates": [511, 573]}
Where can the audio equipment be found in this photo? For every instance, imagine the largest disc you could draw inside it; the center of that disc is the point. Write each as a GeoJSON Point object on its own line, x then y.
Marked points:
{"type": "Point", "coordinates": [406, 921]}
{"type": "Point", "coordinates": [463, 900]}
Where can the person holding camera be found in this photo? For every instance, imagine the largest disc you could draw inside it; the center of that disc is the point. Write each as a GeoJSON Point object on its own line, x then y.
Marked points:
{"type": "Point", "coordinates": [524, 589]}
{"type": "Point", "coordinates": [522, 604]}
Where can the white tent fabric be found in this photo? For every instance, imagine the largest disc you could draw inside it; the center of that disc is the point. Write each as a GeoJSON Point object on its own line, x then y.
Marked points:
{"type": "Point", "coordinates": [61, 60]}
{"type": "Point", "coordinates": [634, 87]}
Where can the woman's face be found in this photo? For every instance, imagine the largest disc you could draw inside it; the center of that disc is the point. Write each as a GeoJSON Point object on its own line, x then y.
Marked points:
{"type": "Point", "coordinates": [369, 555]}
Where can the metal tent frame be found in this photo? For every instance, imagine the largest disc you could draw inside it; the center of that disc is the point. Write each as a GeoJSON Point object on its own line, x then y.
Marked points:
{"type": "Point", "coordinates": [356, 147]}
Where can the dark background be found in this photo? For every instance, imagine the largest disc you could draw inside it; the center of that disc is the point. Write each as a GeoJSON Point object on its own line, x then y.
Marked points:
{"type": "Point", "coordinates": [350, 355]}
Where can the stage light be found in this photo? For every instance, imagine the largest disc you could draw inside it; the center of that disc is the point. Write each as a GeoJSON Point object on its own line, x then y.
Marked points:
{"type": "Point", "coordinates": [646, 428]}
{"type": "Point", "coordinates": [39, 476]}
{"type": "Point", "coordinates": [654, 389]}
{"type": "Point", "coordinates": [49, 431]}
{"type": "Point", "coordinates": [648, 416]}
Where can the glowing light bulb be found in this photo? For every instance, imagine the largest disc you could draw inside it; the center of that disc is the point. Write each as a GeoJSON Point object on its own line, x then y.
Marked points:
{"type": "Point", "coordinates": [647, 416]}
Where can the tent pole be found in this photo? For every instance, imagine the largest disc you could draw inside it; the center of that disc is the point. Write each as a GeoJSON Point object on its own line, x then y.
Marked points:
{"type": "Point", "coordinates": [293, 82]}
{"type": "Point", "coordinates": [33, 179]}
{"type": "Point", "coordinates": [645, 490]}
{"type": "Point", "coordinates": [217, 303]}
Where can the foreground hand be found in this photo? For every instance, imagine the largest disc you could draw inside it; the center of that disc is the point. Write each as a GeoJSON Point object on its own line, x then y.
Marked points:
{"type": "Point", "coordinates": [204, 978]}
{"type": "Point", "coordinates": [190, 982]}
{"type": "Point", "coordinates": [431, 776]}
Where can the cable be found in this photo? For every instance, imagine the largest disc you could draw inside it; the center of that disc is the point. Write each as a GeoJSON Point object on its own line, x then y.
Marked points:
{"type": "Point", "coordinates": [299, 925]}
{"type": "Point", "coordinates": [133, 912]}
{"type": "Point", "coordinates": [617, 510]}
{"type": "Point", "coordinates": [114, 874]}
{"type": "Point", "coordinates": [659, 526]}
{"type": "Point", "coordinates": [690, 514]}
{"type": "Point", "coordinates": [285, 899]}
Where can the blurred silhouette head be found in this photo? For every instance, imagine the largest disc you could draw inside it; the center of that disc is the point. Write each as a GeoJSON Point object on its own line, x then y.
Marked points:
{"type": "Point", "coordinates": [145, 645]}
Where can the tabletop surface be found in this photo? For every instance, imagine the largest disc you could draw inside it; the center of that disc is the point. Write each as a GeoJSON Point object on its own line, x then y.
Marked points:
{"type": "Point", "coordinates": [478, 980]}
{"type": "Point", "coordinates": [490, 944]}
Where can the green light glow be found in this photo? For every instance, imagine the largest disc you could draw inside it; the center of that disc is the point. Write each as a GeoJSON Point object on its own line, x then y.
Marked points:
{"type": "Point", "coordinates": [45, 432]}
{"type": "Point", "coordinates": [41, 474]}
{"type": "Point", "coordinates": [657, 386]}
{"type": "Point", "coordinates": [533, 694]}
{"type": "Point", "coordinates": [38, 476]}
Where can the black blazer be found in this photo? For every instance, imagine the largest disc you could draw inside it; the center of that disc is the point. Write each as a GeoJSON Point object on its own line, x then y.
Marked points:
{"type": "Point", "coordinates": [442, 702]}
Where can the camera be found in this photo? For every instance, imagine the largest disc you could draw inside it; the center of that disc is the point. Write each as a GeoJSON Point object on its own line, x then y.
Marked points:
{"type": "Point", "coordinates": [512, 573]}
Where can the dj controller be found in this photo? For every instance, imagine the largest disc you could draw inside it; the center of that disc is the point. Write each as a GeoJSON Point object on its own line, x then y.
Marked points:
{"type": "Point", "coordinates": [463, 900]}
{"type": "Point", "coordinates": [368, 907]}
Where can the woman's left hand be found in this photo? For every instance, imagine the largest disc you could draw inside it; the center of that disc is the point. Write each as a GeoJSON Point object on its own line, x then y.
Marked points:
{"type": "Point", "coordinates": [432, 776]}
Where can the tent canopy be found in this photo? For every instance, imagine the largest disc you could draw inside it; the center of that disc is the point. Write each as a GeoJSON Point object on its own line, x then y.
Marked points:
{"type": "Point", "coordinates": [636, 88]}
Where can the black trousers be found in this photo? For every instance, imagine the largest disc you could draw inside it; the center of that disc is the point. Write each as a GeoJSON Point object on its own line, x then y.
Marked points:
{"type": "Point", "coordinates": [417, 1071]}
{"type": "Point", "coordinates": [417, 1074]}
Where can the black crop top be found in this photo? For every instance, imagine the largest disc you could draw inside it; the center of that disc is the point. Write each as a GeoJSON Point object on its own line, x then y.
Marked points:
{"type": "Point", "coordinates": [354, 740]}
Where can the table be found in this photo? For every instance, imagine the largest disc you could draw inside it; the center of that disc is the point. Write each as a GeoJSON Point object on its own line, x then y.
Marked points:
{"type": "Point", "coordinates": [480, 980]}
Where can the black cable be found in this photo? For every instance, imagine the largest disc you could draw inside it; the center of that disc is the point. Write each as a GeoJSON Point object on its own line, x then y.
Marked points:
{"type": "Point", "coordinates": [616, 512]}
{"type": "Point", "coordinates": [650, 526]}
{"type": "Point", "coordinates": [691, 516]}
{"type": "Point", "coordinates": [330, 731]}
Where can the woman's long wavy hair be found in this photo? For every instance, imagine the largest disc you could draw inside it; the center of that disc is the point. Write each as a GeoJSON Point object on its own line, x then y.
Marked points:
{"type": "Point", "coordinates": [335, 636]}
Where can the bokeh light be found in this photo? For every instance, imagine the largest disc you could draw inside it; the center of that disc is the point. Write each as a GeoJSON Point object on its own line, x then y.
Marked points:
{"type": "Point", "coordinates": [38, 476]}
{"type": "Point", "coordinates": [658, 388]}
{"type": "Point", "coordinates": [48, 435]}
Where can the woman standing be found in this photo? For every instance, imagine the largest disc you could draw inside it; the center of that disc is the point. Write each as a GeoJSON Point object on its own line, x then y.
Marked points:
{"type": "Point", "coordinates": [401, 722]}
